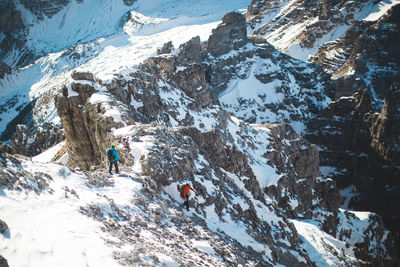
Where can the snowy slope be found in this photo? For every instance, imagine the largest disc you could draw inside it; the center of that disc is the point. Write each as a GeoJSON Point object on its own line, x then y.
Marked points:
{"type": "Point", "coordinates": [275, 89]}
{"type": "Point", "coordinates": [57, 216]}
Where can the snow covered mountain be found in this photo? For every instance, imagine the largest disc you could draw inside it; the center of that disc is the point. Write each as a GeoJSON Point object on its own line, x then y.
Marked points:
{"type": "Point", "coordinates": [176, 88]}
{"type": "Point", "coordinates": [357, 43]}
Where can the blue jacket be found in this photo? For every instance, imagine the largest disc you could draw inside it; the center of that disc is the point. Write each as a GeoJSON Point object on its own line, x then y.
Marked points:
{"type": "Point", "coordinates": [114, 151]}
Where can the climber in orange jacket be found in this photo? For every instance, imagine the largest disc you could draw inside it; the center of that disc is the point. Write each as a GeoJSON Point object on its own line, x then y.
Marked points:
{"type": "Point", "coordinates": [185, 193]}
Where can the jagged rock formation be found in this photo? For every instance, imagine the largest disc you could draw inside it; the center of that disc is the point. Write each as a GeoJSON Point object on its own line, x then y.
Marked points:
{"type": "Point", "coordinates": [85, 131]}
{"type": "Point", "coordinates": [141, 98]}
{"type": "Point", "coordinates": [366, 57]}
{"type": "Point", "coordinates": [231, 34]}
{"type": "Point", "coordinates": [262, 180]}
{"type": "Point", "coordinates": [362, 147]}
{"type": "Point", "coordinates": [299, 89]}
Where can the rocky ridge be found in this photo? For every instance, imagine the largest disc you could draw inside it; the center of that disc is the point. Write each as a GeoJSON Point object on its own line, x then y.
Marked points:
{"type": "Point", "coordinates": [291, 91]}
{"type": "Point", "coordinates": [169, 102]}
{"type": "Point", "coordinates": [220, 155]}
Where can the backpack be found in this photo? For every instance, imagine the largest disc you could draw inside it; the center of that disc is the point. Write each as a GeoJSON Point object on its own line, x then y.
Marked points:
{"type": "Point", "coordinates": [182, 187]}
{"type": "Point", "coordinates": [110, 155]}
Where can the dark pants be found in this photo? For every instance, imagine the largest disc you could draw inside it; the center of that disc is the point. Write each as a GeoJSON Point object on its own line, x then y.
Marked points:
{"type": "Point", "coordinates": [115, 163]}
{"type": "Point", "coordinates": [186, 202]}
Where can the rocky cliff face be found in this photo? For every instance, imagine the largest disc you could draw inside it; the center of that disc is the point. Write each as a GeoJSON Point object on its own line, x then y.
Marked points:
{"type": "Point", "coordinates": [366, 160]}
{"type": "Point", "coordinates": [11, 25]}
{"type": "Point", "coordinates": [362, 161]}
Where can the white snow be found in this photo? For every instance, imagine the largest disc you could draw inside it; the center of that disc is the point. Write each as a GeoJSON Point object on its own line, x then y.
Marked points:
{"type": "Point", "coordinates": [235, 230]}
{"type": "Point", "coordinates": [250, 88]}
{"type": "Point", "coordinates": [50, 231]}
{"type": "Point", "coordinates": [374, 10]}
{"type": "Point", "coordinates": [47, 155]}
{"type": "Point", "coordinates": [320, 246]}
{"type": "Point", "coordinates": [304, 53]}
{"type": "Point", "coordinates": [329, 171]}
{"type": "Point", "coordinates": [205, 246]}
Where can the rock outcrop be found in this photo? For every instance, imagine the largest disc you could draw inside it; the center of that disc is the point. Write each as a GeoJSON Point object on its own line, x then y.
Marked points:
{"type": "Point", "coordinates": [84, 128]}
{"type": "Point", "coordinates": [361, 148]}
{"type": "Point", "coordinates": [30, 144]}
{"type": "Point", "coordinates": [3, 226]}
{"type": "Point", "coordinates": [230, 35]}
{"type": "Point", "coordinates": [3, 262]}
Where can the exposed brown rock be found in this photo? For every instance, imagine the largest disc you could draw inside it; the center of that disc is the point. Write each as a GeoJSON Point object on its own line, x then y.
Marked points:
{"type": "Point", "coordinates": [231, 34]}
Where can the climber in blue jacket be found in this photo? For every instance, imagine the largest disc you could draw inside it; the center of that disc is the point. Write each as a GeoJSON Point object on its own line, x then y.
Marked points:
{"type": "Point", "coordinates": [113, 158]}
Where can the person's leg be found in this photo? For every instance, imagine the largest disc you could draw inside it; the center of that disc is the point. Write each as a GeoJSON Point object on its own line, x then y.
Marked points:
{"type": "Point", "coordinates": [116, 166]}
{"type": "Point", "coordinates": [187, 202]}
{"type": "Point", "coordinates": [110, 169]}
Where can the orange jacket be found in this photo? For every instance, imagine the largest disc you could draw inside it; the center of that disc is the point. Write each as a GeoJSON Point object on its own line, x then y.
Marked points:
{"type": "Point", "coordinates": [186, 189]}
